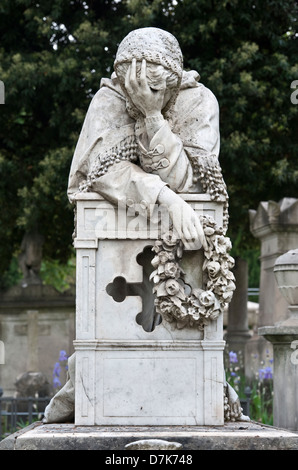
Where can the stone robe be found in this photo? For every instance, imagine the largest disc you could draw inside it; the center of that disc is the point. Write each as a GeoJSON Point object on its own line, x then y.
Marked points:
{"type": "Point", "coordinates": [190, 131]}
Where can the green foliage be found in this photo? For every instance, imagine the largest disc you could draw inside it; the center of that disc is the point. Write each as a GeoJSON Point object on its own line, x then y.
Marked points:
{"type": "Point", "coordinates": [53, 55]}
{"type": "Point", "coordinates": [245, 52]}
{"type": "Point", "coordinates": [262, 401]}
{"type": "Point", "coordinates": [60, 276]}
{"type": "Point", "coordinates": [261, 386]}
{"type": "Point", "coordinates": [11, 276]}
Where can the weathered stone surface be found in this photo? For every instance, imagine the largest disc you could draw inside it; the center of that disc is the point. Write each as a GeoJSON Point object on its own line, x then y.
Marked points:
{"type": "Point", "coordinates": [31, 383]}
{"type": "Point", "coordinates": [145, 174]}
{"type": "Point", "coordinates": [231, 436]}
{"type": "Point", "coordinates": [153, 444]}
{"type": "Point", "coordinates": [275, 224]}
{"type": "Point", "coordinates": [36, 322]}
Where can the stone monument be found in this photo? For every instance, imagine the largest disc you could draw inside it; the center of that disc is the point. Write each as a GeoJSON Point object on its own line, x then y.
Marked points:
{"type": "Point", "coordinates": [275, 224]}
{"type": "Point", "coordinates": [284, 337]}
{"type": "Point", "coordinates": [153, 264]}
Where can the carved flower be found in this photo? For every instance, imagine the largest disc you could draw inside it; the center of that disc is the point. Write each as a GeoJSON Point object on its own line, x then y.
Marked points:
{"type": "Point", "coordinates": [157, 246]}
{"type": "Point", "coordinates": [207, 298]}
{"type": "Point", "coordinates": [227, 296]}
{"type": "Point", "coordinates": [171, 270]}
{"type": "Point", "coordinates": [165, 306]}
{"type": "Point", "coordinates": [179, 312]}
{"type": "Point", "coordinates": [165, 256]}
{"type": "Point", "coordinates": [208, 220]}
{"type": "Point", "coordinates": [209, 231]}
{"type": "Point", "coordinates": [162, 258]}
{"type": "Point", "coordinates": [222, 244]}
{"type": "Point", "coordinates": [172, 287]}
{"type": "Point", "coordinates": [213, 268]}
{"type": "Point", "coordinates": [170, 239]}
{"type": "Point", "coordinates": [194, 313]}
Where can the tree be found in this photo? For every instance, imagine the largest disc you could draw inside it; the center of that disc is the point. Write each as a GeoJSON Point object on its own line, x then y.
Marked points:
{"type": "Point", "coordinates": [246, 53]}
{"type": "Point", "coordinates": [53, 55]}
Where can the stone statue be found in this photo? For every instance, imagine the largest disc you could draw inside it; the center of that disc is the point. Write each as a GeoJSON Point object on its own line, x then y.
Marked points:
{"type": "Point", "coordinates": [150, 133]}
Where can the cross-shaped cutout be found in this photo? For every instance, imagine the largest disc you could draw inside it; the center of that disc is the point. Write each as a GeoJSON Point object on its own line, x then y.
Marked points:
{"type": "Point", "coordinates": [119, 289]}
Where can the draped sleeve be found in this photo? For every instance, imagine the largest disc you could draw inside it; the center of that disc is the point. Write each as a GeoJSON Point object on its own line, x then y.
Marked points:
{"type": "Point", "coordinates": [111, 161]}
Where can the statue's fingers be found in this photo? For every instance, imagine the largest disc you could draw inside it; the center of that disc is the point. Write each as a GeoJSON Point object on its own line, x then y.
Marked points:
{"type": "Point", "coordinates": [133, 74]}
{"type": "Point", "coordinates": [143, 75]}
{"type": "Point", "coordinates": [187, 235]}
{"type": "Point", "coordinates": [163, 85]}
{"type": "Point", "coordinates": [201, 235]}
{"type": "Point", "coordinates": [127, 80]}
{"type": "Point", "coordinates": [191, 245]}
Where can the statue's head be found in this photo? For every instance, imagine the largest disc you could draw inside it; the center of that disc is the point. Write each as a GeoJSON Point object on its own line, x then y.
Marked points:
{"type": "Point", "coordinates": [162, 53]}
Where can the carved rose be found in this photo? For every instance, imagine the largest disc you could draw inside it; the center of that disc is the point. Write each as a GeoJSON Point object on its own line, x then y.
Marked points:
{"type": "Point", "coordinates": [207, 298]}
{"type": "Point", "coordinates": [213, 267]}
{"type": "Point", "coordinates": [165, 306]}
{"type": "Point", "coordinates": [227, 296]}
{"type": "Point", "coordinates": [209, 231]}
{"type": "Point", "coordinates": [169, 239]}
{"type": "Point", "coordinates": [162, 258]}
{"type": "Point", "coordinates": [220, 244]}
{"type": "Point", "coordinates": [165, 256]}
{"type": "Point", "coordinates": [171, 270]}
{"type": "Point", "coordinates": [194, 313]}
{"type": "Point", "coordinates": [172, 287]}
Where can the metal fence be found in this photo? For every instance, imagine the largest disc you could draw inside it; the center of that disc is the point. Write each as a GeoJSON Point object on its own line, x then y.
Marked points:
{"type": "Point", "coordinates": [253, 292]}
{"type": "Point", "coordinates": [16, 413]}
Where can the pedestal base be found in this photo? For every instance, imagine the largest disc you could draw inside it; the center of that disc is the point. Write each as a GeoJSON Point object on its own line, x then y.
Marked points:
{"type": "Point", "coordinates": [284, 338]}
{"type": "Point", "coordinates": [232, 436]}
{"type": "Point", "coordinates": [149, 383]}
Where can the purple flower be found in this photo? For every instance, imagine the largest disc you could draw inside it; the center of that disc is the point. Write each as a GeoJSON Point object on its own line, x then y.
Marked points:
{"type": "Point", "coordinates": [63, 356]}
{"type": "Point", "coordinates": [266, 373]}
{"type": "Point", "coordinates": [57, 370]}
{"type": "Point", "coordinates": [233, 357]}
{"type": "Point", "coordinates": [56, 382]}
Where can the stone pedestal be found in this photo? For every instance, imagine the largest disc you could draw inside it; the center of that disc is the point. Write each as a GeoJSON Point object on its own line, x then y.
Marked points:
{"type": "Point", "coordinates": [129, 372]}
{"type": "Point", "coordinates": [116, 442]}
{"type": "Point", "coordinates": [276, 226]}
{"type": "Point", "coordinates": [284, 337]}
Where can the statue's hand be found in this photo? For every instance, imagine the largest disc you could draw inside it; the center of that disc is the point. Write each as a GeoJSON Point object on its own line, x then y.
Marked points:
{"type": "Point", "coordinates": [149, 101]}
{"type": "Point", "coordinates": [185, 220]}
{"type": "Point", "coordinates": [188, 225]}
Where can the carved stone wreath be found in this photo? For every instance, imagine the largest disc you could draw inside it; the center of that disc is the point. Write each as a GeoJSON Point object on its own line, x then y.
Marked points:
{"type": "Point", "coordinates": [199, 306]}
